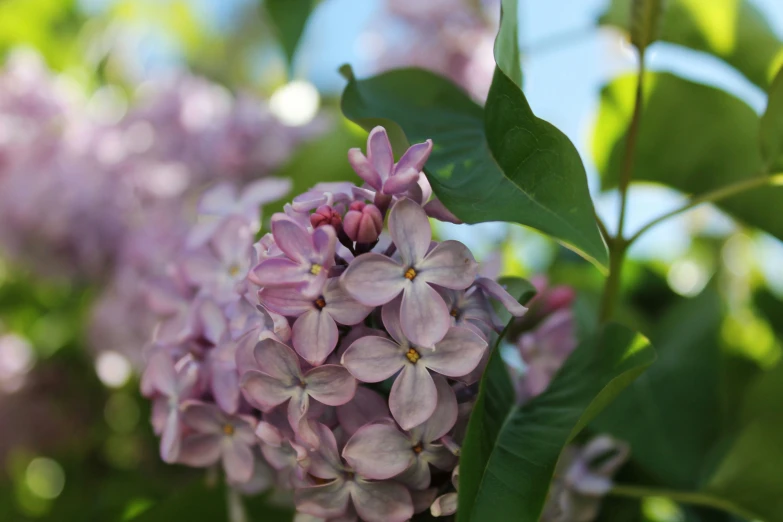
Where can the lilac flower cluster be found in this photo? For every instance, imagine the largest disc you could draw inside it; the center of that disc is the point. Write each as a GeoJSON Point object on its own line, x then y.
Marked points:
{"type": "Point", "coordinates": [458, 36]}
{"type": "Point", "coordinates": [338, 358]}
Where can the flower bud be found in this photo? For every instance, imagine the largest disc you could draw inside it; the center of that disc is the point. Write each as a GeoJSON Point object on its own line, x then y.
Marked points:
{"type": "Point", "coordinates": [363, 222]}
{"type": "Point", "coordinates": [325, 215]}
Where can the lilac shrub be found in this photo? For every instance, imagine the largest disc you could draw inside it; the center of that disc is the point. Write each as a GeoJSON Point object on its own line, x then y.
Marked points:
{"type": "Point", "coordinates": [341, 355]}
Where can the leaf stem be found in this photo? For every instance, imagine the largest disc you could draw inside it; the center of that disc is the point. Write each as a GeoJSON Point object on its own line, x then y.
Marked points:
{"type": "Point", "coordinates": [712, 197]}
{"type": "Point", "coordinates": [618, 245]}
{"type": "Point", "coordinates": [602, 228]}
{"type": "Point", "coordinates": [682, 497]}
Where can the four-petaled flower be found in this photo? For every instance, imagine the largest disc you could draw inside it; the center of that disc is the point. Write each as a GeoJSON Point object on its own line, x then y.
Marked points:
{"type": "Point", "coordinates": [308, 258]}
{"type": "Point", "coordinates": [381, 451]}
{"type": "Point", "coordinates": [346, 489]}
{"type": "Point", "coordinates": [413, 395]}
{"type": "Point", "coordinates": [281, 379]}
{"type": "Point", "coordinates": [314, 334]}
{"type": "Point", "coordinates": [374, 279]}
{"type": "Point", "coordinates": [218, 436]}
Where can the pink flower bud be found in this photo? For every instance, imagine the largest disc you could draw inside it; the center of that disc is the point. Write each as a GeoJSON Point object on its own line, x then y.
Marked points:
{"type": "Point", "coordinates": [325, 215]}
{"type": "Point", "coordinates": [363, 223]}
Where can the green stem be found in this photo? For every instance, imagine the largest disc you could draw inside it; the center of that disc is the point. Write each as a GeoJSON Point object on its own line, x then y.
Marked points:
{"type": "Point", "coordinates": [618, 245]}
{"type": "Point", "coordinates": [681, 497]}
{"type": "Point", "coordinates": [712, 197]}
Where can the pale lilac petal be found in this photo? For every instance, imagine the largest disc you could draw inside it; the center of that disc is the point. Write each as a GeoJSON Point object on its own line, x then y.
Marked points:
{"type": "Point", "coordinates": [160, 375]}
{"type": "Point", "coordinates": [324, 243]}
{"type": "Point", "coordinates": [498, 292]}
{"type": "Point", "coordinates": [326, 501]}
{"type": "Point", "coordinates": [379, 152]}
{"type": "Point", "coordinates": [379, 451]}
{"type": "Point", "coordinates": [439, 456]}
{"type": "Point", "coordinates": [285, 301]}
{"type": "Point", "coordinates": [201, 449]}
{"type": "Point", "coordinates": [278, 271]}
{"type": "Point", "coordinates": [444, 505]}
{"type": "Point", "coordinates": [390, 315]}
{"type": "Point", "coordinates": [292, 239]}
{"type": "Point", "coordinates": [342, 307]}
{"type": "Point", "coordinates": [401, 181]}
{"type": "Point", "coordinates": [361, 165]}
{"type": "Point", "coordinates": [366, 406]}
{"type": "Point", "coordinates": [204, 418]}
{"type": "Point", "coordinates": [278, 361]}
{"type": "Point", "coordinates": [373, 359]}
{"type": "Point", "coordinates": [244, 429]}
{"type": "Point", "coordinates": [457, 354]}
{"type": "Point", "coordinates": [330, 384]}
{"type": "Point", "coordinates": [450, 264]}
{"type": "Point", "coordinates": [424, 316]}
{"type": "Point", "coordinates": [212, 321]}
{"type": "Point", "coordinates": [437, 210]}
{"type": "Point", "coordinates": [410, 231]}
{"type": "Point", "coordinates": [218, 200]}
{"type": "Point", "coordinates": [422, 500]}
{"type": "Point", "coordinates": [315, 336]}
{"type": "Point", "coordinates": [263, 390]}
{"type": "Point", "coordinates": [415, 157]}
{"type": "Point", "coordinates": [262, 191]}
{"type": "Point", "coordinates": [326, 461]}
{"type": "Point", "coordinates": [232, 240]}
{"type": "Point", "coordinates": [270, 434]}
{"type": "Point", "coordinates": [413, 396]}
{"type": "Point", "coordinates": [445, 415]}
{"type": "Point", "coordinates": [373, 279]}
{"type": "Point", "coordinates": [225, 386]}
{"type": "Point", "coordinates": [171, 437]}
{"type": "Point", "coordinates": [381, 501]}
{"type": "Point", "coordinates": [200, 267]}
{"type": "Point", "coordinates": [418, 475]}
{"type": "Point", "coordinates": [238, 460]}
{"type": "Point", "coordinates": [297, 409]}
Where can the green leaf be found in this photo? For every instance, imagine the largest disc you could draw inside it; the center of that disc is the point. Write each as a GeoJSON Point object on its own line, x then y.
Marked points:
{"type": "Point", "coordinates": [693, 138]}
{"type": "Point", "coordinates": [507, 42]}
{"type": "Point", "coordinates": [671, 415]}
{"type": "Point", "coordinates": [733, 30]}
{"type": "Point", "coordinates": [771, 135]}
{"type": "Point", "coordinates": [510, 451]}
{"type": "Point", "coordinates": [290, 18]}
{"type": "Point", "coordinates": [645, 21]}
{"type": "Point", "coordinates": [497, 164]}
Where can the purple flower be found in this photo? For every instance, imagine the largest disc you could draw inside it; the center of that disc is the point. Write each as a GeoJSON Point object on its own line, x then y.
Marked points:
{"type": "Point", "coordinates": [374, 280]}
{"type": "Point", "coordinates": [381, 451]}
{"type": "Point", "coordinates": [366, 406]}
{"type": "Point", "coordinates": [221, 269]}
{"type": "Point", "coordinates": [218, 436]}
{"type": "Point", "coordinates": [282, 450]}
{"type": "Point", "coordinates": [281, 379]}
{"type": "Point", "coordinates": [308, 258]}
{"type": "Point", "coordinates": [348, 490]}
{"type": "Point", "coordinates": [544, 351]}
{"type": "Point", "coordinates": [315, 330]}
{"type": "Point", "coordinates": [222, 201]}
{"type": "Point", "coordinates": [378, 168]}
{"type": "Point", "coordinates": [413, 395]}
{"type": "Point", "coordinates": [174, 385]}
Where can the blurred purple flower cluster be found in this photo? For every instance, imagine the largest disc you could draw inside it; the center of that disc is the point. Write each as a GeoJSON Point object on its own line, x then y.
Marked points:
{"type": "Point", "coordinates": [458, 35]}
{"type": "Point", "coordinates": [336, 358]}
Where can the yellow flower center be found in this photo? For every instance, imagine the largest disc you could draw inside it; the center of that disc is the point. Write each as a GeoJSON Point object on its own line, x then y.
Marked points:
{"type": "Point", "coordinates": [228, 429]}
{"type": "Point", "coordinates": [413, 356]}
{"type": "Point", "coordinates": [320, 303]}
{"type": "Point", "coordinates": [454, 312]}
{"type": "Point", "coordinates": [410, 274]}
{"type": "Point", "coordinates": [417, 448]}
{"type": "Point", "coordinates": [316, 269]}
{"type": "Point", "coordinates": [233, 270]}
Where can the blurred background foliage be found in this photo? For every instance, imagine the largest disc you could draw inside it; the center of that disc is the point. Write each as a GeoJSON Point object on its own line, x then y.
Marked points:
{"type": "Point", "coordinates": [75, 441]}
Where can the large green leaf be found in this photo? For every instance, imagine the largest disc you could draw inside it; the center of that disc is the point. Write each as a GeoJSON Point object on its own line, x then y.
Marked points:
{"type": "Point", "coordinates": [671, 415]}
{"type": "Point", "coordinates": [497, 164]}
{"type": "Point", "coordinates": [694, 138]}
{"type": "Point", "coordinates": [733, 30]}
{"type": "Point", "coordinates": [749, 474]}
{"type": "Point", "coordinates": [510, 451]}
{"type": "Point", "coordinates": [290, 18]}
{"type": "Point", "coordinates": [772, 126]}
